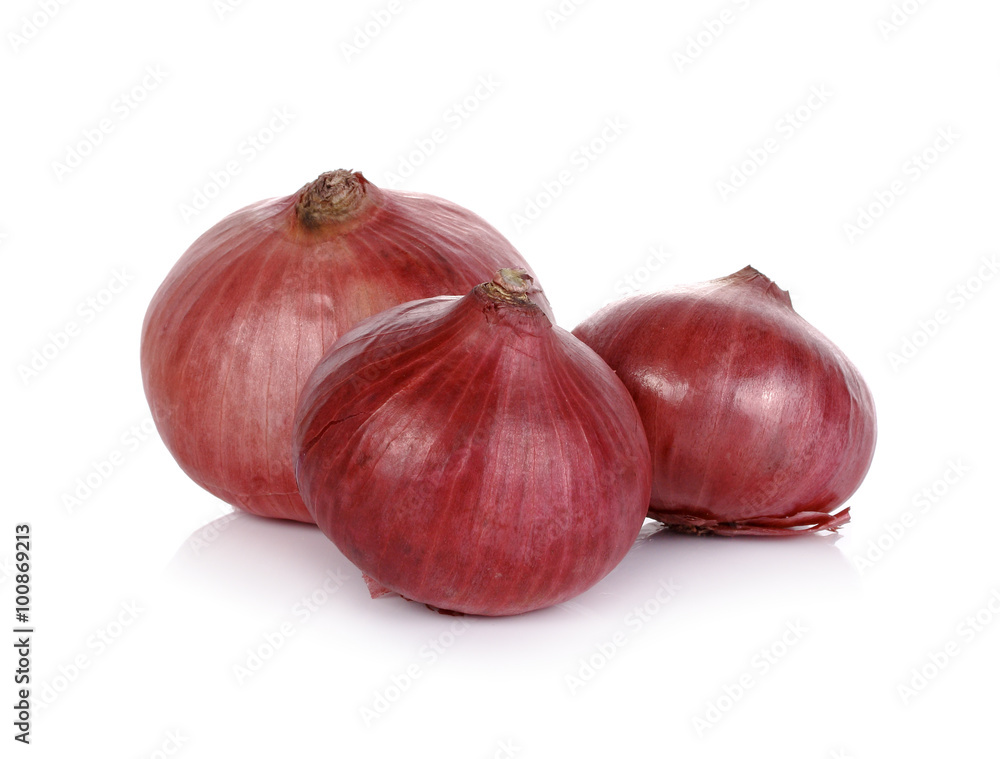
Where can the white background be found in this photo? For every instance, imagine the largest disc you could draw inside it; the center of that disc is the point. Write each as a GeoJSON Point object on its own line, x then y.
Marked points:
{"type": "Point", "coordinates": [148, 595]}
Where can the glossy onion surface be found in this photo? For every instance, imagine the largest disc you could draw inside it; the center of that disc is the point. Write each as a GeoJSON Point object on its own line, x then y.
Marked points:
{"type": "Point", "coordinates": [246, 313]}
{"type": "Point", "coordinates": [757, 423]}
{"type": "Point", "coordinates": [467, 454]}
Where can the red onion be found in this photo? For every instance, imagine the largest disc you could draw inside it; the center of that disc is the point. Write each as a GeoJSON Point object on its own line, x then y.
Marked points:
{"type": "Point", "coordinates": [244, 316]}
{"type": "Point", "coordinates": [467, 454]}
{"type": "Point", "coordinates": [757, 423]}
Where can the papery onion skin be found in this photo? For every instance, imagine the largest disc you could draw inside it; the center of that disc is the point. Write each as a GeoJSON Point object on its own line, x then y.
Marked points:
{"type": "Point", "coordinates": [246, 313]}
{"type": "Point", "coordinates": [467, 454]}
{"type": "Point", "coordinates": [757, 423]}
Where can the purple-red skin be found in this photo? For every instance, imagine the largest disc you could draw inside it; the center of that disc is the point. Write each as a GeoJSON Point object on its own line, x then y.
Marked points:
{"type": "Point", "coordinates": [247, 312]}
{"type": "Point", "coordinates": [757, 423]}
{"type": "Point", "coordinates": [467, 454]}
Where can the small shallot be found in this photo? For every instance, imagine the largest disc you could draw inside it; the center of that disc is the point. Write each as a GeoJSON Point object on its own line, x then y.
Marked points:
{"type": "Point", "coordinates": [757, 423]}
{"type": "Point", "coordinates": [468, 454]}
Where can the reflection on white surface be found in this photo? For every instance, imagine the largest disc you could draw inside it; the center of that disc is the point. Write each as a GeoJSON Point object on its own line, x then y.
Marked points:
{"type": "Point", "coordinates": [269, 573]}
{"type": "Point", "coordinates": [279, 607]}
{"type": "Point", "coordinates": [270, 562]}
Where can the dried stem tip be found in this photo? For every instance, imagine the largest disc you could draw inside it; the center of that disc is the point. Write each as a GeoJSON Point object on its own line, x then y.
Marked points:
{"type": "Point", "coordinates": [511, 286]}
{"type": "Point", "coordinates": [334, 196]}
{"type": "Point", "coordinates": [750, 276]}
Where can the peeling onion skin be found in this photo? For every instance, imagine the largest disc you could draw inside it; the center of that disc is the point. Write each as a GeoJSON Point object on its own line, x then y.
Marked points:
{"type": "Point", "coordinates": [246, 313]}
{"type": "Point", "coordinates": [467, 454]}
{"type": "Point", "coordinates": [757, 423]}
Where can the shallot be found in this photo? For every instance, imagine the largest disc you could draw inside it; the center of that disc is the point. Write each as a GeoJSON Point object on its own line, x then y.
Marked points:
{"type": "Point", "coordinates": [468, 454]}
{"type": "Point", "coordinates": [247, 312]}
{"type": "Point", "coordinates": [757, 423]}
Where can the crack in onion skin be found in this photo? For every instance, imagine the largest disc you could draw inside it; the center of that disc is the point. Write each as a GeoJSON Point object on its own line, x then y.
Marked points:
{"type": "Point", "coordinates": [246, 313]}
{"type": "Point", "coordinates": [757, 423]}
{"type": "Point", "coordinates": [467, 454]}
